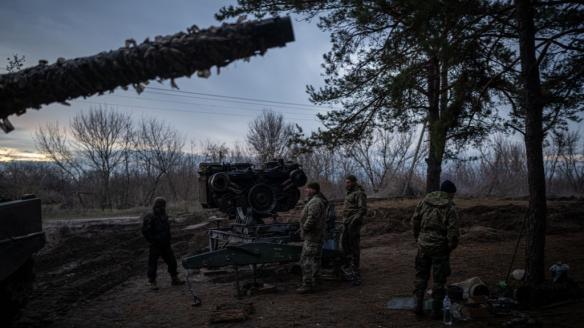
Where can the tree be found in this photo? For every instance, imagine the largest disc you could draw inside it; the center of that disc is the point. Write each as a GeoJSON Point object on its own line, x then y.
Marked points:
{"type": "Point", "coordinates": [52, 141]}
{"type": "Point", "coordinates": [550, 46]}
{"type": "Point", "coordinates": [381, 156]}
{"type": "Point", "coordinates": [532, 104]}
{"type": "Point", "coordinates": [268, 135]}
{"type": "Point", "coordinates": [394, 64]}
{"type": "Point", "coordinates": [101, 137]}
{"type": "Point", "coordinates": [214, 151]}
{"type": "Point", "coordinates": [159, 147]}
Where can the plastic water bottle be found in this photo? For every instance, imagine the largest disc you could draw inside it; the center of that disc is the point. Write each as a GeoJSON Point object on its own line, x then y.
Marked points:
{"type": "Point", "coordinates": [446, 307]}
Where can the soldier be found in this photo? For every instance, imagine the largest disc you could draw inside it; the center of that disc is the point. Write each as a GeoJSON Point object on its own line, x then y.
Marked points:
{"type": "Point", "coordinates": [312, 226]}
{"type": "Point", "coordinates": [156, 230]}
{"type": "Point", "coordinates": [355, 209]}
{"type": "Point", "coordinates": [435, 227]}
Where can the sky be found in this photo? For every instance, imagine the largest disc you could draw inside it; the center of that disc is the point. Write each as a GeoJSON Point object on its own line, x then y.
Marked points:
{"type": "Point", "coordinates": [40, 29]}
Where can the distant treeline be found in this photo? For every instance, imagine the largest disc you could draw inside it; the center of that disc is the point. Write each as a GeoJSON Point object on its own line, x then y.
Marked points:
{"type": "Point", "coordinates": [93, 170]}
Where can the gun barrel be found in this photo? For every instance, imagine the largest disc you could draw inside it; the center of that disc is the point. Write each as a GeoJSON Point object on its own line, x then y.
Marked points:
{"type": "Point", "coordinates": [168, 57]}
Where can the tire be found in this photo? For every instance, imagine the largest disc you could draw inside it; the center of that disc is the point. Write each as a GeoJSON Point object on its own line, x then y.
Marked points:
{"type": "Point", "coordinates": [219, 182]}
{"type": "Point", "coordinates": [261, 198]}
{"type": "Point", "coordinates": [298, 178]}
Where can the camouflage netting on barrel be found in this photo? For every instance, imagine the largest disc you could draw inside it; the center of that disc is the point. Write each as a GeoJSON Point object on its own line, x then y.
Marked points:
{"type": "Point", "coordinates": [165, 57]}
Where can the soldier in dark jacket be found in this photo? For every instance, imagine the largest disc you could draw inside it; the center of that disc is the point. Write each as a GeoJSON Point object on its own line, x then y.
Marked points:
{"type": "Point", "coordinates": [354, 211]}
{"type": "Point", "coordinates": [312, 229]}
{"type": "Point", "coordinates": [156, 230]}
{"type": "Point", "coordinates": [435, 227]}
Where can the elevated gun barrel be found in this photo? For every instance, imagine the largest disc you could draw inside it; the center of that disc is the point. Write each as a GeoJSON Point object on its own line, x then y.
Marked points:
{"type": "Point", "coordinates": [168, 57]}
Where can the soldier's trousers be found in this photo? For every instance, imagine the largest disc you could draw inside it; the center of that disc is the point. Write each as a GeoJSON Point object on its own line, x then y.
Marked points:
{"type": "Point", "coordinates": [310, 261]}
{"type": "Point", "coordinates": [437, 264]}
{"type": "Point", "coordinates": [164, 251]}
{"type": "Point", "coordinates": [350, 241]}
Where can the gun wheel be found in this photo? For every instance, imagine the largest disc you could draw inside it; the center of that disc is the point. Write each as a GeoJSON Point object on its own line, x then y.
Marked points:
{"type": "Point", "coordinates": [261, 198]}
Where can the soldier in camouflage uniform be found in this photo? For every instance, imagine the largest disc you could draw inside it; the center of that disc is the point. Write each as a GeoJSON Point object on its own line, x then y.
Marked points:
{"type": "Point", "coordinates": [355, 209]}
{"type": "Point", "coordinates": [435, 227]}
{"type": "Point", "coordinates": [312, 227]}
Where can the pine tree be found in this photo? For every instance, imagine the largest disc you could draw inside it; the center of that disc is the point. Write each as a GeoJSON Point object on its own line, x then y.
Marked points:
{"type": "Point", "coordinates": [395, 64]}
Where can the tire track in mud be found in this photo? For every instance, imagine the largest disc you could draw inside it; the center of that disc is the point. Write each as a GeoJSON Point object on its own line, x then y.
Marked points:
{"type": "Point", "coordinates": [86, 263]}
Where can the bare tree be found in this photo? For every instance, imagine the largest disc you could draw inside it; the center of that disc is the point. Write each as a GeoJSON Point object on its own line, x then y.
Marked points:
{"type": "Point", "coordinates": [52, 141]}
{"type": "Point", "coordinates": [328, 167]}
{"type": "Point", "coordinates": [268, 135]}
{"type": "Point", "coordinates": [214, 151]}
{"type": "Point", "coordinates": [100, 139]}
{"type": "Point", "coordinates": [239, 153]}
{"type": "Point", "coordinates": [553, 150]}
{"type": "Point", "coordinates": [381, 156]}
{"type": "Point", "coordinates": [572, 162]}
{"type": "Point", "coordinates": [187, 184]}
{"type": "Point", "coordinates": [159, 147]}
{"type": "Point", "coordinates": [502, 169]}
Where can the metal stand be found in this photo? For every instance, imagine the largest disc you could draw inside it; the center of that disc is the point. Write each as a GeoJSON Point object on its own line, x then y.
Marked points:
{"type": "Point", "coordinates": [196, 299]}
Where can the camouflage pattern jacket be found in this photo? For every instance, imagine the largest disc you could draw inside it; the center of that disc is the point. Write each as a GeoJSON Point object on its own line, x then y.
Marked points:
{"type": "Point", "coordinates": [435, 224]}
{"type": "Point", "coordinates": [355, 207]}
{"type": "Point", "coordinates": [313, 217]}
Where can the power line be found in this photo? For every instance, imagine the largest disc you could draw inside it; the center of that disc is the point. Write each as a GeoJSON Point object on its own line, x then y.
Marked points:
{"type": "Point", "coordinates": [209, 105]}
{"type": "Point", "coordinates": [314, 109]}
{"type": "Point", "coordinates": [240, 98]}
{"type": "Point", "coordinates": [178, 110]}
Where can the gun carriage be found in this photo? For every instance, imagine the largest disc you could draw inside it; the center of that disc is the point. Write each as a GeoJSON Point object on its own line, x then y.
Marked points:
{"type": "Point", "coordinates": [248, 196]}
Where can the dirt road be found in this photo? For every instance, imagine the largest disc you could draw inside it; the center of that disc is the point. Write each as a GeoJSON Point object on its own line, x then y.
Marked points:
{"type": "Point", "coordinates": [95, 278]}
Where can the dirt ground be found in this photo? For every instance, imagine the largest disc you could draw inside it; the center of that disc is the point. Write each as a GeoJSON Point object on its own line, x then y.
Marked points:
{"type": "Point", "coordinates": [92, 274]}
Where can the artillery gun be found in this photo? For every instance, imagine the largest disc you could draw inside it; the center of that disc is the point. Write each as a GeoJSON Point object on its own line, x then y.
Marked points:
{"type": "Point", "coordinates": [165, 57]}
{"type": "Point", "coordinates": [248, 195]}
{"type": "Point", "coordinates": [182, 54]}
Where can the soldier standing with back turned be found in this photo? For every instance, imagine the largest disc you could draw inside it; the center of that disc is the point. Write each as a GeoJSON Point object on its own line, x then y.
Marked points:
{"type": "Point", "coordinates": [156, 230]}
{"type": "Point", "coordinates": [312, 228]}
{"type": "Point", "coordinates": [354, 211]}
{"type": "Point", "coordinates": [435, 227]}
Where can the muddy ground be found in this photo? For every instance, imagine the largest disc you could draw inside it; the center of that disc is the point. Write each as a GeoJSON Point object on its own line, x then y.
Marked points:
{"type": "Point", "coordinates": [92, 273]}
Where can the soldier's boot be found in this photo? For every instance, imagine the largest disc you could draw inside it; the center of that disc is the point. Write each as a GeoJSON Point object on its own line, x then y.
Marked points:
{"type": "Point", "coordinates": [305, 289]}
{"type": "Point", "coordinates": [437, 299]}
{"type": "Point", "coordinates": [419, 309]}
{"type": "Point", "coordinates": [153, 285]}
{"type": "Point", "coordinates": [176, 281]}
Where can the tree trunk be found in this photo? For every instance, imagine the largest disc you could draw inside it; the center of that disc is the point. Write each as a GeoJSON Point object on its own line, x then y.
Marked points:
{"type": "Point", "coordinates": [435, 157]}
{"type": "Point", "coordinates": [534, 135]}
{"type": "Point", "coordinates": [150, 195]}
{"type": "Point", "coordinates": [436, 149]}
{"type": "Point", "coordinates": [407, 190]}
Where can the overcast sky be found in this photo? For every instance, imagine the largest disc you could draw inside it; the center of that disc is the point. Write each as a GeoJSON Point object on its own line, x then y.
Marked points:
{"type": "Point", "coordinates": [41, 29]}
